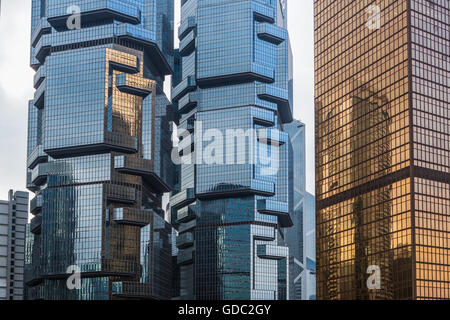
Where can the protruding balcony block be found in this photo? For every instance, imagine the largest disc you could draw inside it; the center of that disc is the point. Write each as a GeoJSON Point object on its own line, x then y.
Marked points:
{"type": "Point", "coordinates": [39, 76]}
{"type": "Point", "coordinates": [272, 93]}
{"type": "Point", "coordinates": [251, 72]}
{"type": "Point", "coordinates": [225, 190]}
{"type": "Point", "coordinates": [279, 96]}
{"type": "Point", "coordinates": [34, 62]}
{"type": "Point", "coordinates": [187, 103]}
{"type": "Point", "coordinates": [185, 86]}
{"type": "Point", "coordinates": [43, 48]}
{"type": "Point", "coordinates": [39, 174]}
{"type": "Point", "coordinates": [185, 257]}
{"type": "Point", "coordinates": [141, 167]}
{"type": "Point", "coordinates": [132, 216]}
{"type": "Point", "coordinates": [35, 224]}
{"type": "Point", "coordinates": [36, 156]}
{"type": "Point", "coordinates": [187, 226]}
{"type": "Point", "coordinates": [134, 84]}
{"type": "Point", "coordinates": [276, 208]}
{"type": "Point", "coordinates": [263, 188]}
{"type": "Point", "coordinates": [272, 252]}
{"type": "Point", "coordinates": [123, 31]}
{"type": "Point", "coordinates": [43, 27]}
{"type": "Point", "coordinates": [121, 142]}
{"type": "Point", "coordinates": [30, 185]}
{"type": "Point", "coordinates": [39, 95]}
{"type": "Point", "coordinates": [187, 26]}
{"type": "Point", "coordinates": [271, 33]}
{"type": "Point", "coordinates": [187, 45]}
{"type": "Point", "coordinates": [36, 204]}
{"type": "Point", "coordinates": [113, 141]}
{"type": "Point", "coordinates": [264, 233]}
{"type": "Point", "coordinates": [263, 13]}
{"type": "Point", "coordinates": [183, 198]}
{"type": "Point", "coordinates": [185, 240]}
{"type": "Point", "coordinates": [185, 214]}
{"type": "Point", "coordinates": [121, 194]}
{"type": "Point", "coordinates": [266, 119]}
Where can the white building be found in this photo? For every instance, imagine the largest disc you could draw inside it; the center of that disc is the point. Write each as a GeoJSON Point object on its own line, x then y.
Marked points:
{"type": "Point", "coordinates": [13, 220]}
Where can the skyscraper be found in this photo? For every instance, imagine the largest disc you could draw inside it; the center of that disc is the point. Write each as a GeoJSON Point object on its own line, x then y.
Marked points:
{"type": "Point", "coordinates": [294, 235]}
{"type": "Point", "coordinates": [233, 86]}
{"type": "Point", "coordinates": [99, 149]}
{"type": "Point", "coordinates": [13, 219]}
{"type": "Point", "coordinates": [300, 238]}
{"type": "Point", "coordinates": [382, 157]}
{"type": "Point", "coordinates": [309, 236]}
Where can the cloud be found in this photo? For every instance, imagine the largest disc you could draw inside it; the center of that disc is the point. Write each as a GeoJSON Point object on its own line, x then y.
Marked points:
{"type": "Point", "coordinates": [13, 135]}
{"type": "Point", "coordinates": [15, 90]}
{"type": "Point", "coordinates": [301, 32]}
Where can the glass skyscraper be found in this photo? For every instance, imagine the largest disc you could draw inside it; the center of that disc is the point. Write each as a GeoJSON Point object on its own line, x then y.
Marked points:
{"type": "Point", "coordinates": [99, 144]}
{"type": "Point", "coordinates": [309, 236]}
{"type": "Point", "coordinates": [300, 238]}
{"type": "Point", "coordinates": [233, 72]}
{"type": "Point", "coordinates": [383, 171]}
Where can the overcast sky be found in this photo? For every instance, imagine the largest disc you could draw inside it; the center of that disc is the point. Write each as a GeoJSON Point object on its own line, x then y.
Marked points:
{"type": "Point", "coordinates": [16, 85]}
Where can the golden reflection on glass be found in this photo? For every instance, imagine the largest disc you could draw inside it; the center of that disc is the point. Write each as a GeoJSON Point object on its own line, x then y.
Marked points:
{"type": "Point", "coordinates": [124, 113]}
{"type": "Point", "coordinates": [382, 150]}
{"type": "Point", "coordinates": [362, 137]}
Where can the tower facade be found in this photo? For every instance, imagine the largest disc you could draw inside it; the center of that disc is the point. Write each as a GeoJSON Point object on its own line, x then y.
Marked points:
{"type": "Point", "coordinates": [309, 236]}
{"type": "Point", "coordinates": [295, 234]}
{"type": "Point", "coordinates": [300, 238]}
{"type": "Point", "coordinates": [382, 169]}
{"type": "Point", "coordinates": [233, 93]}
{"type": "Point", "coordinates": [99, 149]}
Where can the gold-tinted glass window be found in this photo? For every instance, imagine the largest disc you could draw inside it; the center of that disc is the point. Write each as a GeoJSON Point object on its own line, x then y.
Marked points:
{"type": "Point", "coordinates": [361, 94]}
{"type": "Point", "coordinates": [364, 211]}
{"type": "Point", "coordinates": [382, 149]}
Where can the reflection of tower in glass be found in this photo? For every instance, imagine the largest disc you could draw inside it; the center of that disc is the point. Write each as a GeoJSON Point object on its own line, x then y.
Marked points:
{"type": "Point", "coordinates": [388, 165]}
{"type": "Point", "coordinates": [331, 243]}
{"type": "Point", "coordinates": [371, 128]}
{"type": "Point", "coordinates": [368, 140]}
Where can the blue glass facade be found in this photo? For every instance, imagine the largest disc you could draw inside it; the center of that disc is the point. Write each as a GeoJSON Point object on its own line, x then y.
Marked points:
{"type": "Point", "coordinates": [309, 292]}
{"type": "Point", "coordinates": [295, 235]}
{"type": "Point", "coordinates": [234, 72]}
{"type": "Point", "coordinates": [301, 237]}
{"type": "Point", "coordinates": [99, 149]}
